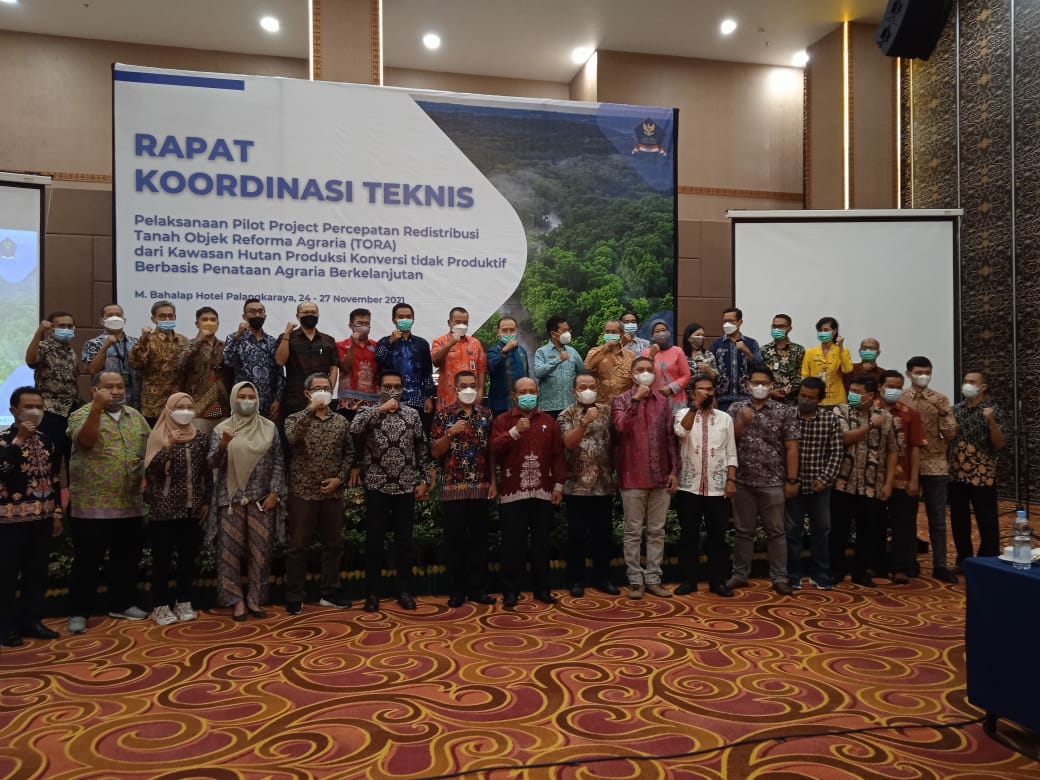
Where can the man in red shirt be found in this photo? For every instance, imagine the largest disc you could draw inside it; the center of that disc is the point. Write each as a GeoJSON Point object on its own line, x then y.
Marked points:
{"type": "Point", "coordinates": [358, 372]}
{"type": "Point", "coordinates": [454, 352]}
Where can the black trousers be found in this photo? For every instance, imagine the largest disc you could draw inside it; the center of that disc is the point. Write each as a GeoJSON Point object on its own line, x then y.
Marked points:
{"type": "Point", "coordinates": [867, 514]}
{"type": "Point", "coordinates": [902, 518]}
{"type": "Point", "coordinates": [983, 499]}
{"type": "Point", "coordinates": [694, 510]}
{"type": "Point", "coordinates": [91, 539]}
{"type": "Point", "coordinates": [24, 550]}
{"type": "Point", "coordinates": [519, 517]}
{"type": "Point", "coordinates": [383, 512]}
{"type": "Point", "coordinates": [168, 536]}
{"type": "Point", "coordinates": [306, 517]}
{"type": "Point", "coordinates": [590, 528]}
{"type": "Point", "coordinates": [55, 427]}
{"type": "Point", "coordinates": [466, 545]}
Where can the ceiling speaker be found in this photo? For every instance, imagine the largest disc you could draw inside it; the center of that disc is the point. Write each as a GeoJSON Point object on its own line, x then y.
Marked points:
{"type": "Point", "coordinates": [911, 28]}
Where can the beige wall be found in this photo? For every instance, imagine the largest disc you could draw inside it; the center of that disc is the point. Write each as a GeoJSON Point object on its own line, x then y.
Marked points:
{"type": "Point", "coordinates": [478, 85]}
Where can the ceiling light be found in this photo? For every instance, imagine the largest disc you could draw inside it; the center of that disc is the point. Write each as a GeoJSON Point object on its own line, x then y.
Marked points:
{"type": "Point", "coordinates": [581, 54]}
{"type": "Point", "coordinates": [9, 2]}
{"type": "Point", "coordinates": [800, 59]}
{"type": "Point", "coordinates": [431, 41]}
{"type": "Point", "coordinates": [727, 26]}
{"type": "Point", "coordinates": [270, 24]}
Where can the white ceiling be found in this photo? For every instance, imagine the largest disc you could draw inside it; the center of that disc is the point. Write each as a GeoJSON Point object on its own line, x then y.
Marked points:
{"type": "Point", "coordinates": [518, 38]}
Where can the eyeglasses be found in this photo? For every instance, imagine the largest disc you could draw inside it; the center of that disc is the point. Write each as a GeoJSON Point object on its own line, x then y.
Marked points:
{"type": "Point", "coordinates": [256, 311]}
{"type": "Point", "coordinates": [389, 388]}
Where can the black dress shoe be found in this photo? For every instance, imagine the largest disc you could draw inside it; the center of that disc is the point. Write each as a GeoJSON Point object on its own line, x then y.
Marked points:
{"type": "Point", "coordinates": [482, 598]}
{"type": "Point", "coordinates": [545, 596]}
{"type": "Point", "coordinates": [371, 603]}
{"type": "Point", "coordinates": [258, 613]}
{"type": "Point", "coordinates": [720, 589]}
{"type": "Point", "coordinates": [943, 574]}
{"type": "Point", "coordinates": [38, 630]}
{"type": "Point", "coordinates": [11, 639]}
{"type": "Point", "coordinates": [609, 588]}
{"type": "Point", "coordinates": [241, 618]}
{"type": "Point", "coordinates": [510, 599]}
{"type": "Point", "coordinates": [293, 607]}
{"type": "Point", "coordinates": [864, 580]}
{"type": "Point", "coordinates": [456, 600]}
{"type": "Point", "coordinates": [406, 601]}
{"type": "Point", "coordinates": [577, 589]}
{"type": "Point", "coordinates": [684, 589]}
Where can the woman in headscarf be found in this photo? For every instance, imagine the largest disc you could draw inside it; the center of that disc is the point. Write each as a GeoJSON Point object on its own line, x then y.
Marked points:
{"type": "Point", "coordinates": [178, 485]}
{"type": "Point", "coordinates": [671, 371]}
{"type": "Point", "coordinates": [247, 453]}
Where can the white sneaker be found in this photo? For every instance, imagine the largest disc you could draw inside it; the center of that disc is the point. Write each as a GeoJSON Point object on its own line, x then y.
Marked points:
{"type": "Point", "coordinates": [162, 616]}
{"type": "Point", "coordinates": [77, 624]}
{"type": "Point", "coordinates": [130, 613]}
{"type": "Point", "coordinates": [183, 611]}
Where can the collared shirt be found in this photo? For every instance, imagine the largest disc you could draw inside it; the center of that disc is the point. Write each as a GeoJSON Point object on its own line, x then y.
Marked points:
{"type": "Point", "coordinates": [466, 355]}
{"type": "Point", "coordinates": [786, 366]}
{"type": "Point", "coordinates": [251, 359]}
{"type": "Point", "coordinates": [590, 465]}
{"type": "Point", "coordinates": [392, 449]}
{"type": "Point", "coordinates": [940, 426]}
{"type": "Point", "coordinates": [858, 370]}
{"type": "Point", "coordinates": [647, 451]}
{"type": "Point", "coordinates": [105, 480]}
{"type": "Point", "coordinates": [830, 368]}
{"type": "Point", "coordinates": [117, 360]}
{"type": "Point", "coordinates": [762, 445]}
{"type": "Point", "coordinates": [556, 377]}
{"type": "Point", "coordinates": [671, 370]}
{"type": "Point", "coordinates": [504, 368]}
{"type": "Point", "coordinates": [708, 449]}
{"type": "Point", "coordinates": [30, 485]}
{"type": "Point", "coordinates": [909, 434]}
{"type": "Point", "coordinates": [636, 345]}
{"type": "Point", "coordinates": [613, 373]}
{"type": "Point", "coordinates": [701, 357]}
{"type": "Point", "coordinates": [307, 356]}
{"type": "Point", "coordinates": [361, 384]}
{"type": "Point", "coordinates": [268, 474]}
{"type": "Point", "coordinates": [531, 463]}
{"type": "Point", "coordinates": [820, 449]}
{"type": "Point", "coordinates": [972, 457]}
{"type": "Point", "coordinates": [319, 450]}
{"type": "Point", "coordinates": [179, 480]}
{"type": "Point", "coordinates": [863, 466]}
{"type": "Point", "coordinates": [411, 358]}
{"type": "Point", "coordinates": [466, 465]}
{"type": "Point", "coordinates": [155, 356]}
{"type": "Point", "coordinates": [733, 367]}
{"type": "Point", "coordinates": [57, 376]}
{"type": "Point", "coordinates": [201, 363]}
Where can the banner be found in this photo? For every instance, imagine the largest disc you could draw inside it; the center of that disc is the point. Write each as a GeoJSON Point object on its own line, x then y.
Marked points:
{"type": "Point", "coordinates": [346, 195]}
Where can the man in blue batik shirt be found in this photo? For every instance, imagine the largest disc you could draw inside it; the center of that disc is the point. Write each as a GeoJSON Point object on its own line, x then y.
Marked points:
{"type": "Point", "coordinates": [734, 353]}
{"type": "Point", "coordinates": [409, 355]}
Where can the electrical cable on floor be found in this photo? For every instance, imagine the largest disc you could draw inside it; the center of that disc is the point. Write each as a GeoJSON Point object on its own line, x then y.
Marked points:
{"type": "Point", "coordinates": [728, 746]}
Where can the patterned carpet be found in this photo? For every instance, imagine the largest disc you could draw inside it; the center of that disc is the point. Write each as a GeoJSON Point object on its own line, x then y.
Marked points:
{"type": "Point", "coordinates": [332, 694]}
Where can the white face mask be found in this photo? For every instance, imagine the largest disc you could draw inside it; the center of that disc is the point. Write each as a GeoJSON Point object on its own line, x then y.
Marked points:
{"type": "Point", "coordinates": [644, 377]}
{"type": "Point", "coordinates": [182, 416]}
{"type": "Point", "coordinates": [113, 323]}
{"type": "Point", "coordinates": [468, 395]}
{"type": "Point", "coordinates": [760, 392]}
{"type": "Point", "coordinates": [565, 338]}
{"type": "Point", "coordinates": [460, 329]}
{"type": "Point", "coordinates": [324, 397]}
{"type": "Point", "coordinates": [922, 380]}
{"type": "Point", "coordinates": [587, 397]}
{"type": "Point", "coordinates": [32, 416]}
{"type": "Point", "coordinates": [729, 328]}
{"type": "Point", "coordinates": [970, 391]}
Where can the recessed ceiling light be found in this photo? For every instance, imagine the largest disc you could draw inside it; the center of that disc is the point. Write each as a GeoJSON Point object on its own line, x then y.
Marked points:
{"type": "Point", "coordinates": [9, 2]}
{"type": "Point", "coordinates": [727, 26]}
{"type": "Point", "coordinates": [270, 24]}
{"type": "Point", "coordinates": [431, 41]}
{"type": "Point", "coordinates": [800, 59]}
{"type": "Point", "coordinates": [581, 54]}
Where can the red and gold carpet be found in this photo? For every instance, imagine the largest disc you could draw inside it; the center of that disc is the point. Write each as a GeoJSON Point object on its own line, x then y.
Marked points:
{"type": "Point", "coordinates": [330, 694]}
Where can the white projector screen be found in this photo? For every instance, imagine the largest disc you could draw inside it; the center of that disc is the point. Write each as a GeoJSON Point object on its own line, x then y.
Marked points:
{"type": "Point", "coordinates": [889, 275]}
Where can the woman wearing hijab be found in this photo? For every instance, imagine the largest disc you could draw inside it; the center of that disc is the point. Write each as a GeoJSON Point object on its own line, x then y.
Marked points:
{"type": "Point", "coordinates": [699, 359]}
{"type": "Point", "coordinates": [671, 371]}
{"type": "Point", "coordinates": [178, 484]}
{"type": "Point", "coordinates": [247, 453]}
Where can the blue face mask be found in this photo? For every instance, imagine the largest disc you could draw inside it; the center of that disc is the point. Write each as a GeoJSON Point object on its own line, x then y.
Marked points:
{"type": "Point", "coordinates": [527, 401]}
{"type": "Point", "coordinates": [64, 335]}
{"type": "Point", "coordinates": [609, 338]}
{"type": "Point", "coordinates": [778, 333]}
{"type": "Point", "coordinates": [855, 399]}
{"type": "Point", "coordinates": [167, 326]}
{"type": "Point", "coordinates": [824, 336]}
{"type": "Point", "coordinates": [404, 325]}
{"type": "Point", "coordinates": [505, 338]}
{"type": "Point", "coordinates": [631, 328]}
{"type": "Point", "coordinates": [868, 355]}
{"type": "Point", "coordinates": [892, 394]}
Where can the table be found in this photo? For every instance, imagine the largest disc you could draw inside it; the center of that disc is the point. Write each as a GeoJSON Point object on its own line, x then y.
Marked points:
{"type": "Point", "coordinates": [1002, 637]}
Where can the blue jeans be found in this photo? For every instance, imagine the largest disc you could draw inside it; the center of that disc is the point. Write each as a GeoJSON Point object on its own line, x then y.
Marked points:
{"type": "Point", "coordinates": [818, 507]}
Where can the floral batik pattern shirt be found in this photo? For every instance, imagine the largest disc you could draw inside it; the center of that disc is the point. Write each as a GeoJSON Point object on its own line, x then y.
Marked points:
{"type": "Point", "coordinates": [973, 460]}
{"type": "Point", "coordinates": [466, 465]}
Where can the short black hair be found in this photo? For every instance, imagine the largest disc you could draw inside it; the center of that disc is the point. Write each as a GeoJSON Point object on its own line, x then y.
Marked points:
{"type": "Point", "coordinates": [387, 373]}
{"type": "Point", "coordinates": [702, 377]}
{"type": "Point", "coordinates": [759, 368]}
{"type": "Point", "coordinates": [553, 323]}
{"type": "Point", "coordinates": [827, 321]}
{"type": "Point", "coordinates": [462, 374]}
{"type": "Point", "coordinates": [980, 372]}
{"type": "Point", "coordinates": [890, 374]}
{"type": "Point", "coordinates": [399, 306]}
{"type": "Point", "coordinates": [55, 314]}
{"type": "Point", "coordinates": [206, 310]}
{"type": "Point", "coordinates": [628, 312]}
{"type": "Point", "coordinates": [578, 376]}
{"type": "Point", "coordinates": [786, 317]}
{"type": "Point", "coordinates": [359, 313]}
{"type": "Point", "coordinates": [455, 309]}
{"type": "Point", "coordinates": [869, 383]}
{"type": "Point", "coordinates": [507, 317]}
{"type": "Point", "coordinates": [16, 396]}
{"type": "Point", "coordinates": [249, 301]}
{"type": "Point", "coordinates": [642, 359]}
{"type": "Point", "coordinates": [734, 310]}
{"type": "Point", "coordinates": [817, 384]}
{"type": "Point", "coordinates": [918, 361]}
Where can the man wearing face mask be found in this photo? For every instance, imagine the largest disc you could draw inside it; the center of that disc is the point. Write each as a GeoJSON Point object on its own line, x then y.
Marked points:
{"type": "Point", "coordinates": [610, 364]}
{"type": "Point", "coordinates": [589, 490]}
{"type": "Point", "coordinates": [51, 354]}
{"type": "Point", "coordinates": [707, 478]}
{"type": "Point", "coordinates": [155, 355]}
{"type": "Point", "coordinates": [319, 469]}
{"type": "Point", "coordinates": [30, 514]}
{"type": "Point", "coordinates": [249, 354]}
{"type": "Point", "coordinates": [647, 459]}
{"type": "Point", "coordinates": [556, 363]}
{"type": "Point", "coordinates": [304, 351]}
{"type": "Point", "coordinates": [358, 372]}
{"type": "Point", "coordinates": [784, 359]}
{"type": "Point", "coordinates": [526, 445]}
{"type": "Point", "coordinates": [630, 339]}
{"type": "Point", "coordinates": [201, 363]}
{"type": "Point", "coordinates": [869, 349]}
{"type": "Point", "coordinates": [110, 351]}
{"type": "Point", "coordinates": [864, 482]}
{"type": "Point", "coordinates": [460, 438]}
{"type": "Point", "coordinates": [455, 351]}
{"type": "Point", "coordinates": [409, 355]}
{"type": "Point", "coordinates": [973, 467]}
{"type": "Point", "coordinates": [507, 361]}
{"type": "Point", "coordinates": [734, 354]}
{"type": "Point", "coordinates": [767, 449]}
{"type": "Point", "coordinates": [940, 426]}
{"type": "Point", "coordinates": [671, 371]}
{"type": "Point", "coordinates": [108, 448]}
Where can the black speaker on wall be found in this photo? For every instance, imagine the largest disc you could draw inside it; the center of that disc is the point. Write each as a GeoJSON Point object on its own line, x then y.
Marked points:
{"type": "Point", "coordinates": [911, 28]}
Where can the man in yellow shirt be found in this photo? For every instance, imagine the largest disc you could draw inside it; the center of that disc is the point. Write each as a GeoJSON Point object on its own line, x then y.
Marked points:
{"type": "Point", "coordinates": [830, 361]}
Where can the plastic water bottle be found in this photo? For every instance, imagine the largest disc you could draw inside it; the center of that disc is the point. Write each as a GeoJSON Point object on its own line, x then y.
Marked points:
{"type": "Point", "coordinates": [1023, 556]}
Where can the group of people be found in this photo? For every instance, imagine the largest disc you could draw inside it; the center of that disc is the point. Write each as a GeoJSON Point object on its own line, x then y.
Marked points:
{"type": "Point", "coordinates": [241, 440]}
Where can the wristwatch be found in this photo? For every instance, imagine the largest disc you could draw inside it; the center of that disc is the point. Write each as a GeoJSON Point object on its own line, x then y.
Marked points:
{"type": "Point", "coordinates": [793, 481]}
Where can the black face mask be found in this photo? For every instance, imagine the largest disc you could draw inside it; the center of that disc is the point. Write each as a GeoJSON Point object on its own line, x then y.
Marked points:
{"type": "Point", "coordinates": [309, 320]}
{"type": "Point", "coordinates": [256, 323]}
{"type": "Point", "coordinates": [707, 402]}
{"type": "Point", "coordinates": [807, 407]}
